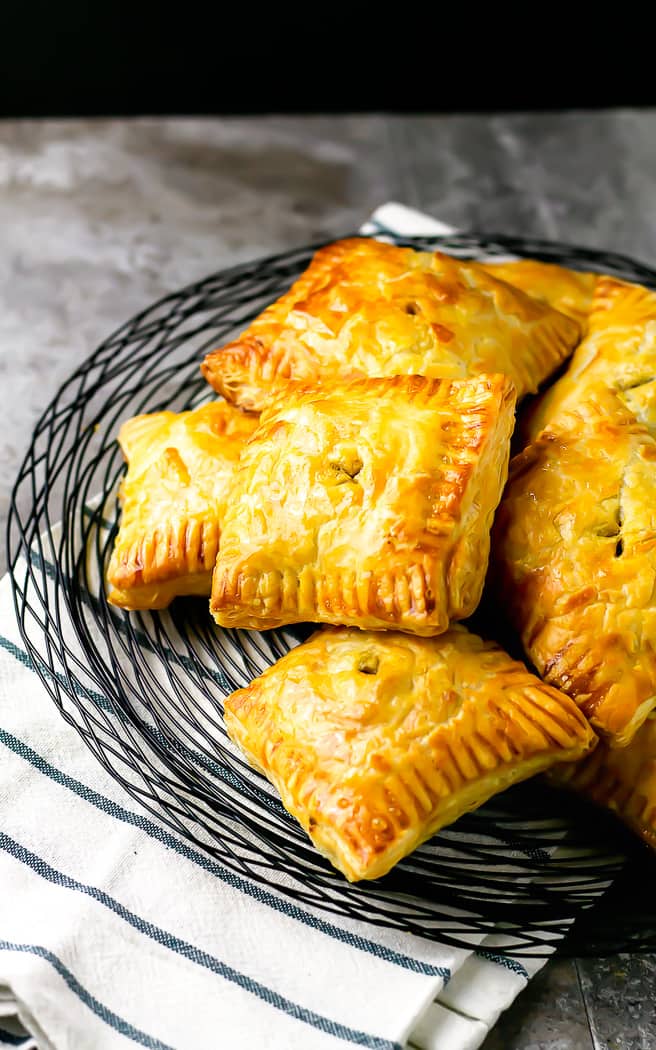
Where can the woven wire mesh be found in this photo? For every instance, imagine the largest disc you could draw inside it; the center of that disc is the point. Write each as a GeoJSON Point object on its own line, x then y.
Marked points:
{"type": "Point", "coordinates": [145, 691]}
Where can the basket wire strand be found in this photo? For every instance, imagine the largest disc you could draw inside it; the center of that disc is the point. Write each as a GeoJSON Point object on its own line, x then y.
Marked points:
{"type": "Point", "coordinates": [145, 690]}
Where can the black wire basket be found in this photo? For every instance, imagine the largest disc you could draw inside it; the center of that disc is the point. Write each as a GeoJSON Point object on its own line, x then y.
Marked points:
{"type": "Point", "coordinates": [145, 691]}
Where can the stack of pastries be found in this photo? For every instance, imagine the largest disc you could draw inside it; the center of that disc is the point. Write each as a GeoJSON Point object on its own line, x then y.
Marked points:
{"type": "Point", "coordinates": [350, 476]}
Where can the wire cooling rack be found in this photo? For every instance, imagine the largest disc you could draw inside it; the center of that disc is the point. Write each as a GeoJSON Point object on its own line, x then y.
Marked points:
{"type": "Point", "coordinates": [145, 691]}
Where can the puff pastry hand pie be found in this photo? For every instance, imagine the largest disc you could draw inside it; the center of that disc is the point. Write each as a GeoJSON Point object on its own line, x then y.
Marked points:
{"type": "Point", "coordinates": [179, 469]}
{"type": "Point", "coordinates": [565, 290]}
{"type": "Point", "coordinates": [368, 504]}
{"type": "Point", "coordinates": [574, 560]}
{"type": "Point", "coordinates": [619, 352]}
{"type": "Point", "coordinates": [364, 308]}
{"type": "Point", "coordinates": [376, 741]}
{"type": "Point", "coordinates": [621, 779]}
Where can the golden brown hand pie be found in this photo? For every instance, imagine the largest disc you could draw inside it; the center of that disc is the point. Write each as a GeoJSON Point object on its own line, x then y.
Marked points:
{"type": "Point", "coordinates": [574, 560]}
{"type": "Point", "coordinates": [376, 741]}
{"type": "Point", "coordinates": [621, 779]}
{"type": "Point", "coordinates": [618, 352]}
{"type": "Point", "coordinates": [565, 290]}
{"type": "Point", "coordinates": [179, 470]}
{"type": "Point", "coordinates": [363, 308]}
{"type": "Point", "coordinates": [368, 503]}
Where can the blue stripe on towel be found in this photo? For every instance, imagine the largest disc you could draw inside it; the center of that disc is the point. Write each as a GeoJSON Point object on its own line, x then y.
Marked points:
{"type": "Point", "coordinates": [194, 954]}
{"type": "Point", "coordinates": [263, 896]}
{"type": "Point", "coordinates": [98, 1008]}
{"type": "Point", "coordinates": [92, 602]}
{"type": "Point", "coordinates": [18, 654]}
{"type": "Point", "coordinates": [506, 961]}
{"type": "Point", "coordinates": [243, 885]}
{"type": "Point", "coordinates": [26, 660]}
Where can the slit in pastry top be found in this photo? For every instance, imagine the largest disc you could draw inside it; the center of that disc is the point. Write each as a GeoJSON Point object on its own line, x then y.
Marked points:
{"type": "Point", "coordinates": [366, 503]}
{"type": "Point", "coordinates": [376, 741]}
{"type": "Point", "coordinates": [574, 559]}
{"type": "Point", "coordinates": [364, 308]}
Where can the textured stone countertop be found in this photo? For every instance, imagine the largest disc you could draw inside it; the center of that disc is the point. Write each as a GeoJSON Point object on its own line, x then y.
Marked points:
{"type": "Point", "coordinates": [100, 218]}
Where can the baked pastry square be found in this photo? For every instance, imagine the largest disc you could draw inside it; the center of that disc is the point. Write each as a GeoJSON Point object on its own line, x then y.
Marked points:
{"type": "Point", "coordinates": [369, 503]}
{"type": "Point", "coordinates": [574, 560]}
{"type": "Point", "coordinates": [621, 779]}
{"type": "Point", "coordinates": [568, 291]}
{"type": "Point", "coordinates": [179, 469]}
{"type": "Point", "coordinates": [619, 352]}
{"type": "Point", "coordinates": [364, 308]}
{"type": "Point", "coordinates": [376, 741]}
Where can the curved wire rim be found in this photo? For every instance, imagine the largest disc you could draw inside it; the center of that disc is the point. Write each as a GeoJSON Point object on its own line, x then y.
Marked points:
{"type": "Point", "coordinates": [167, 761]}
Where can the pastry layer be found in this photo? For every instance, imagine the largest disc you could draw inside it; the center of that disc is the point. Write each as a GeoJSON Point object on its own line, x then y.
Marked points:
{"type": "Point", "coordinates": [619, 353]}
{"type": "Point", "coordinates": [567, 291]}
{"type": "Point", "coordinates": [574, 560]}
{"type": "Point", "coordinates": [376, 741]}
{"type": "Point", "coordinates": [364, 308]}
{"type": "Point", "coordinates": [179, 470]}
{"type": "Point", "coordinates": [368, 503]}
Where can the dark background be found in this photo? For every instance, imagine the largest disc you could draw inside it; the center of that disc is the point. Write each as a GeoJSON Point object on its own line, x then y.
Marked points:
{"type": "Point", "coordinates": [83, 59]}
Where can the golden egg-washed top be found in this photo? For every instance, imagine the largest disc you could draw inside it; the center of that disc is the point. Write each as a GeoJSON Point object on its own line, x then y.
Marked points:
{"type": "Point", "coordinates": [565, 290]}
{"type": "Point", "coordinates": [621, 779]}
{"type": "Point", "coordinates": [574, 560]}
{"type": "Point", "coordinates": [364, 308]}
{"type": "Point", "coordinates": [376, 741]}
{"type": "Point", "coordinates": [179, 469]}
{"type": "Point", "coordinates": [366, 503]}
{"type": "Point", "coordinates": [619, 352]}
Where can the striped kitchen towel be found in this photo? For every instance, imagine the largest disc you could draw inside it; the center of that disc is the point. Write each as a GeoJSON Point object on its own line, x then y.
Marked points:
{"type": "Point", "coordinates": [115, 930]}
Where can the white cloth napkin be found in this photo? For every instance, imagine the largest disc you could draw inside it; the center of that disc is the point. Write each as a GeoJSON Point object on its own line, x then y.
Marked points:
{"type": "Point", "coordinates": [113, 930]}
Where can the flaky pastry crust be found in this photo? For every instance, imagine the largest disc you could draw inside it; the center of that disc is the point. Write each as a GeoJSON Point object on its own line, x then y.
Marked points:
{"type": "Point", "coordinates": [574, 560]}
{"type": "Point", "coordinates": [179, 470]}
{"type": "Point", "coordinates": [619, 353]}
{"type": "Point", "coordinates": [376, 741]}
{"type": "Point", "coordinates": [364, 308]}
{"type": "Point", "coordinates": [368, 504]}
{"type": "Point", "coordinates": [568, 291]}
{"type": "Point", "coordinates": [621, 779]}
